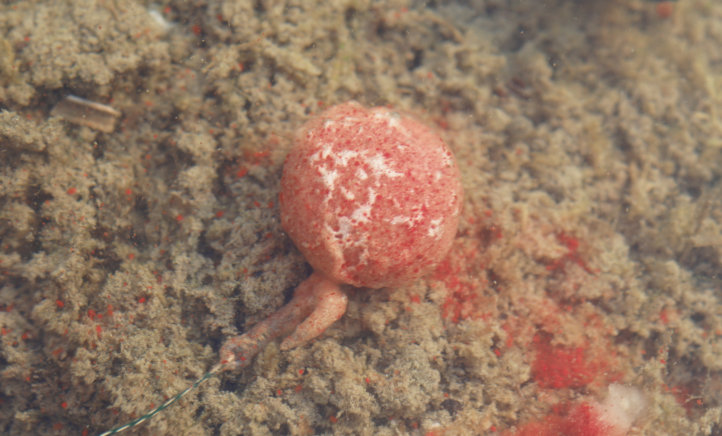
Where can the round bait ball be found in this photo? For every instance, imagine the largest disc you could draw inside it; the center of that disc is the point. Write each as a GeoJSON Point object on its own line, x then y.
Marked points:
{"type": "Point", "coordinates": [370, 197]}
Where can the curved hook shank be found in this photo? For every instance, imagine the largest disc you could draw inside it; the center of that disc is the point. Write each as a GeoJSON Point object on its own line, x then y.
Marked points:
{"type": "Point", "coordinates": [316, 304]}
{"type": "Point", "coordinates": [329, 304]}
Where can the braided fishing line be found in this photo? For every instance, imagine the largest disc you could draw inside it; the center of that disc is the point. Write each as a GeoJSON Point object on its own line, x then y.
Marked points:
{"type": "Point", "coordinates": [215, 370]}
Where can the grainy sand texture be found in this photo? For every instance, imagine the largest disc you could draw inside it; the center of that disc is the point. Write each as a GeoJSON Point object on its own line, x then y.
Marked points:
{"type": "Point", "coordinates": [583, 292]}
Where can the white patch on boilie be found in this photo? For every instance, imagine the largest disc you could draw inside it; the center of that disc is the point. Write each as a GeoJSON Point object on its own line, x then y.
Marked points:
{"type": "Point", "coordinates": [362, 214]}
{"type": "Point", "coordinates": [435, 228]}
{"type": "Point", "coordinates": [350, 121]}
{"type": "Point", "coordinates": [343, 239]}
{"type": "Point", "coordinates": [381, 114]}
{"type": "Point", "coordinates": [348, 195]}
{"type": "Point", "coordinates": [399, 220]}
{"type": "Point", "coordinates": [448, 159]}
{"type": "Point", "coordinates": [345, 225]}
{"type": "Point", "coordinates": [342, 157]}
{"type": "Point", "coordinates": [393, 121]}
{"type": "Point", "coordinates": [410, 221]}
{"type": "Point", "coordinates": [323, 152]}
{"type": "Point", "coordinates": [329, 177]}
{"type": "Point", "coordinates": [380, 168]}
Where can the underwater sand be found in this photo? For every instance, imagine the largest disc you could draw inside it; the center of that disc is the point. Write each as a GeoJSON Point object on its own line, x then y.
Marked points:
{"type": "Point", "coordinates": [589, 138]}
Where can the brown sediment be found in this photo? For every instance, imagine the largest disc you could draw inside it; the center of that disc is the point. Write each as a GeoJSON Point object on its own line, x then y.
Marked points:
{"type": "Point", "coordinates": [588, 138]}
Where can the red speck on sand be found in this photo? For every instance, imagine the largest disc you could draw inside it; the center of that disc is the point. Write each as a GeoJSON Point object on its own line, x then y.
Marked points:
{"type": "Point", "coordinates": [560, 367]}
{"type": "Point", "coordinates": [580, 420]}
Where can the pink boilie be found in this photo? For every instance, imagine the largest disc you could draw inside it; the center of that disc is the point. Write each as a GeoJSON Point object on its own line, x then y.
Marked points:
{"type": "Point", "coordinates": [370, 197]}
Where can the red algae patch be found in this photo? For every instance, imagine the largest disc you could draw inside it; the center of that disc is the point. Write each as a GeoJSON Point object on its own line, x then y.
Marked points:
{"type": "Point", "coordinates": [612, 417]}
{"type": "Point", "coordinates": [560, 367]}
